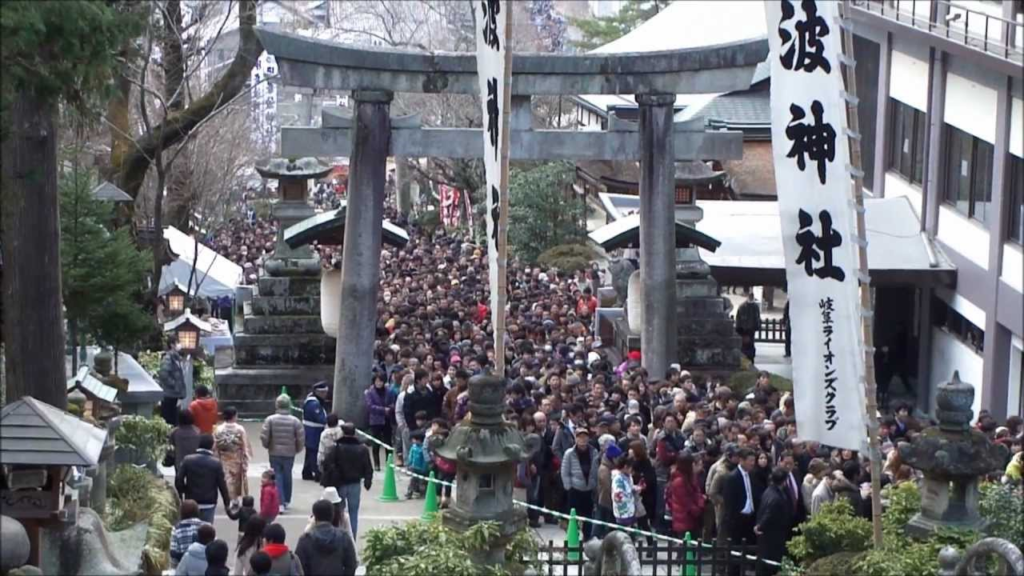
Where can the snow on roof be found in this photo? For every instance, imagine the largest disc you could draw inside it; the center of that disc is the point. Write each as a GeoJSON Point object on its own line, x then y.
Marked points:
{"type": "Point", "coordinates": [694, 24]}
{"type": "Point", "coordinates": [187, 316]}
{"type": "Point", "coordinates": [688, 24]}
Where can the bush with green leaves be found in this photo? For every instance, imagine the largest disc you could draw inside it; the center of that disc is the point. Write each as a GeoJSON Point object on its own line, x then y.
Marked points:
{"type": "Point", "coordinates": [429, 548]}
{"type": "Point", "coordinates": [902, 502]}
{"type": "Point", "coordinates": [900, 554]}
{"type": "Point", "coordinates": [833, 529]}
{"type": "Point", "coordinates": [143, 439]}
{"type": "Point", "coordinates": [1003, 507]}
{"type": "Point", "coordinates": [567, 257]}
{"type": "Point", "coordinates": [134, 495]}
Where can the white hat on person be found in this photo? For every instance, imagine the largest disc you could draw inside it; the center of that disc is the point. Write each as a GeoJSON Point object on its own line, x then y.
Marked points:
{"type": "Point", "coordinates": [331, 495]}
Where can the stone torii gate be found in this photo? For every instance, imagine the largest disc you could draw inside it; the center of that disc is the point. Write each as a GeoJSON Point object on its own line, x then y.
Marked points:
{"type": "Point", "coordinates": [369, 137]}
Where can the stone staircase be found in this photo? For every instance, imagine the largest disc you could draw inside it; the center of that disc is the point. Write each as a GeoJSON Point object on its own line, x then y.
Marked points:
{"type": "Point", "coordinates": [281, 344]}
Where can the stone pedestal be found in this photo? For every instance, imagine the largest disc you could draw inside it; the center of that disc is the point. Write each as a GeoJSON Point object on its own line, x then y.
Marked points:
{"type": "Point", "coordinates": [486, 451]}
{"type": "Point", "coordinates": [281, 343]}
{"type": "Point", "coordinates": [292, 261]}
{"type": "Point", "coordinates": [706, 337]}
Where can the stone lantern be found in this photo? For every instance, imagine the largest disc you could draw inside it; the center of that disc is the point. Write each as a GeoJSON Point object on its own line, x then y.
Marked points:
{"type": "Point", "coordinates": [952, 456]}
{"type": "Point", "coordinates": [293, 177]}
{"type": "Point", "coordinates": [486, 451]}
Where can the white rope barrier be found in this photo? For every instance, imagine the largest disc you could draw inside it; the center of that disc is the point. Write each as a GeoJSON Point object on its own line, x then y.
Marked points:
{"type": "Point", "coordinates": [695, 542]}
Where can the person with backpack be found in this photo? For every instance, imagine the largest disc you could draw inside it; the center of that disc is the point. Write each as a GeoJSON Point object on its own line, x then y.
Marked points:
{"type": "Point", "coordinates": [283, 562]}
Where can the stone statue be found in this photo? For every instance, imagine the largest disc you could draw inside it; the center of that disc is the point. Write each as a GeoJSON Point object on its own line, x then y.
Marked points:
{"type": "Point", "coordinates": [621, 269]}
{"type": "Point", "coordinates": [614, 554]}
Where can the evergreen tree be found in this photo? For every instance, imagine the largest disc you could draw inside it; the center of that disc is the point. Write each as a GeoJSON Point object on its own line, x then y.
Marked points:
{"type": "Point", "coordinates": [103, 273]}
{"type": "Point", "coordinates": [545, 208]}
{"type": "Point", "coordinates": [54, 54]}
{"type": "Point", "coordinates": [600, 31]}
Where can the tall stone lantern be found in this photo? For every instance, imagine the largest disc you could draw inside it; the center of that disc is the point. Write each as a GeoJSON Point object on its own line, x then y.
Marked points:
{"type": "Point", "coordinates": [292, 177]}
{"type": "Point", "coordinates": [486, 451]}
{"type": "Point", "coordinates": [953, 457]}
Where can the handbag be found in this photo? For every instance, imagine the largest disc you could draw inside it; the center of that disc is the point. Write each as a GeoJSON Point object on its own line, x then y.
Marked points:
{"type": "Point", "coordinates": [169, 458]}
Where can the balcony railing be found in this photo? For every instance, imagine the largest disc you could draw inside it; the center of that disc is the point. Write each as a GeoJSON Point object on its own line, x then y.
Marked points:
{"type": "Point", "coordinates": [973, 28]}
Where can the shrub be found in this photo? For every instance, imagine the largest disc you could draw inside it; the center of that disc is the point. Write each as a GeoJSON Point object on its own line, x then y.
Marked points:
{"type": "Point", "coordinates": [840, 563]}
{"type": "Point", "coordinates": [834, 529]}
{"type": "Point", "coordinates": [135, 495]}
{"type": "Point", "coordinates": [900, 555]}
{"type": "Point", "coordinates": [143, 439]}
{"type": "Point", "coordinates": [902, 502]}
{"type": "Point", "coordinates": [425, 549]}
{"type": "Point", "coordinates": [1003, 507]}
{"type": "Point", "coordinates": [567, 257]}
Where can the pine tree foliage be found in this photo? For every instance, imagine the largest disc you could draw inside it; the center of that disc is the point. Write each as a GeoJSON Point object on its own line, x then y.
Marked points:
{"type": "Point", "coordinates": [103, 273]}
{"type": "Point", "coordinates": [544, 209]}
{"type": "Point", "coordinates": [61, 51]}
{"type": "Point", "coordinates": [597, 32]}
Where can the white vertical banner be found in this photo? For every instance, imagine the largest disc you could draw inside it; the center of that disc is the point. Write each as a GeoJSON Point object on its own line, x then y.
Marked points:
{"type": "Point", "coordinates": [819, 232]}
{"type": "Point", "coordinates": [491, 17]}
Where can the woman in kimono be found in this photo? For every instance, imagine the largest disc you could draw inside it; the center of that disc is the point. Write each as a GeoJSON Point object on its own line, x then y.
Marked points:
{"type": "Point", "coordinates": [231, 445]}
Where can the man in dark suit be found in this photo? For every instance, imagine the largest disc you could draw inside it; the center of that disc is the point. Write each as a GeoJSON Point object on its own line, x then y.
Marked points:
{"type": "Point", "coordinates": [740, 498]}
{"type": "Point", "coordinates": [787, 463]}
{"type": "Point", "coordinates": [774, 520]}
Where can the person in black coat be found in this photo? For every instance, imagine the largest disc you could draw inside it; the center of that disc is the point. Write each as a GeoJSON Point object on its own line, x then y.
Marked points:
{"type": "Point", "coordinates": [740, 495]}
{"type": "Point", "coordinates": [774, 520]}
{"type": "Point", "coordinates": [421, 398]}
{"type": "Point", "coordinates": [200, 477]}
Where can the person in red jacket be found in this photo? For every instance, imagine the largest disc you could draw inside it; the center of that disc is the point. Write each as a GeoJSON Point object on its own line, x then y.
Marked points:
{"type": "Point", "coordinates": [204, 410]}
{"type": "Point", "coordinates": [685, 500]}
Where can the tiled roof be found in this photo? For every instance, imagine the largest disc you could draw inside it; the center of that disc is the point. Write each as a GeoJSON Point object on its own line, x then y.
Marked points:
{"type": "Point", "coordinates": [750, 108]}
{"type": "Point", "coordinates": [33, 432]}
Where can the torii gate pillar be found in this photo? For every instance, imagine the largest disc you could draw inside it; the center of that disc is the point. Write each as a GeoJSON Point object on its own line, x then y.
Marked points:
{"type": "Point", "coordinates": [657, 227]}
{"type": "Point", "coordinates": [360, 260]}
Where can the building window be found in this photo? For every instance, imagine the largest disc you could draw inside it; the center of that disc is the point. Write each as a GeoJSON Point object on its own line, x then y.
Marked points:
{"type": "Point", "coordinates": [1015, 208]}
{"type": "Point", "coordinates": [907, 133]}
{"type": "Point", "coordinates": [953, 322]}
{"type": "Point", "coordinates": [968, 173]}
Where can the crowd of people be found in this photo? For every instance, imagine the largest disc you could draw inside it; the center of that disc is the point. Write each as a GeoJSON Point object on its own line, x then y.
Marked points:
{"type": "Point", "coordinates": [669, 453]}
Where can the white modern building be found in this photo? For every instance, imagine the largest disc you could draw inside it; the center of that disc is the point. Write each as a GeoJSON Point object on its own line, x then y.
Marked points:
{"type": "Point", "coordinates": [942, 113]}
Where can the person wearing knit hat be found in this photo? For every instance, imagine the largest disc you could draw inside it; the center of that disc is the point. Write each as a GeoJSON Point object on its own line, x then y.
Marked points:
{"type": "Point", "coordinates": [283, 438]}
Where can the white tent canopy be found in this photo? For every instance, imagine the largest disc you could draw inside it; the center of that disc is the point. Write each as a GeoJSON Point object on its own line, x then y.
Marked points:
{"type": "Point", "coordinates": [216, 275]}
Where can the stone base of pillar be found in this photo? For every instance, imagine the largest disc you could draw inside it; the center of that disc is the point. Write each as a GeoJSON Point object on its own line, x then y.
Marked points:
{"type": "Point", "coordinates": [706, 336]}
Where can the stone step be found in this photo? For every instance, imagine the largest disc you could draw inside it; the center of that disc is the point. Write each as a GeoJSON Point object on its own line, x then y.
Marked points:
{"type": "Point", "coordinates": [282, 325]}
{"type": "Point", "coordinates": [297, 286]}
{"type": "Point", "coordinates": [276, 349]}
{"type": "Point", "coordinates": [253, 390]}
{"type": "Point", "coordinates": [286, 306]}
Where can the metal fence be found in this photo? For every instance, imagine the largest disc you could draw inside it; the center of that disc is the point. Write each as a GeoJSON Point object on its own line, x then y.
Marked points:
{"type": "Point", "coordinates": [659, 558]}
{"type": "Point", "coordinates": [971, 27]}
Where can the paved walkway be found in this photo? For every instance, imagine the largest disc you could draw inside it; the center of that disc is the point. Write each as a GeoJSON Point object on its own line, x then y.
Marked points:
{"type": "Point", "coordinates": [372, 513]}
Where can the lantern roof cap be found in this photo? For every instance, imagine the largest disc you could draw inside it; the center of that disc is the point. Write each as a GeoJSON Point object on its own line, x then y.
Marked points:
{"type": "Point", "coordinates": [187, 317]}
{"type": "Point", "coordinates": [35, 433]}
